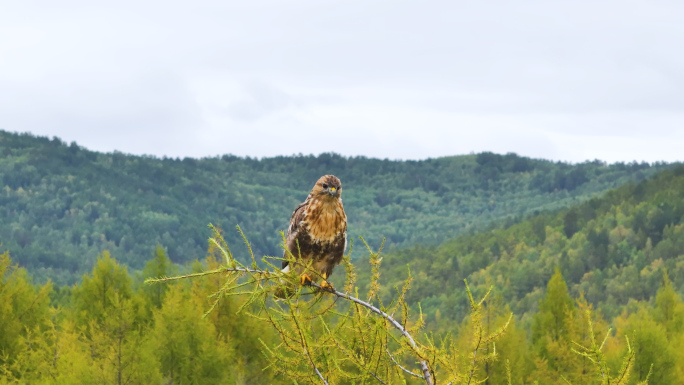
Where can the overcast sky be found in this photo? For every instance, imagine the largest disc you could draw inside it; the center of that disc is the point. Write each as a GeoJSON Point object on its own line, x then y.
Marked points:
{"type": "Point", "coordinates": [565, 80]}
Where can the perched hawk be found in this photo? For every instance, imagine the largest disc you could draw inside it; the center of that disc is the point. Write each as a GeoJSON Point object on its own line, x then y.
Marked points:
{"type": "Point", "coordinates": [318, 232]}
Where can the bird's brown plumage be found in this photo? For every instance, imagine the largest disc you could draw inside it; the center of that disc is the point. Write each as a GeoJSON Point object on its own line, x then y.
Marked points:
{"type": "Point", "coordinates": [318, 231]}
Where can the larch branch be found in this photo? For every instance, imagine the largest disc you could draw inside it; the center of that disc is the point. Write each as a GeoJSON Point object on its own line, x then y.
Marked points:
{"type": "Point", "coordinates": [427, 376]}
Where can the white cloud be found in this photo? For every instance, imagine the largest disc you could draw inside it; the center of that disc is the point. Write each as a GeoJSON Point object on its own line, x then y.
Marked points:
{"type": "Point", "coordinates": [562, 80]}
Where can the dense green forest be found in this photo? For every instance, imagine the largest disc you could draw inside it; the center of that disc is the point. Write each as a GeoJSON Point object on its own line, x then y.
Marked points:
{"type": "Point", "coordinates": [62, 205]}
{"type": "Point", "coordinates": [620, 255]}
{"type": "Point", "coordinates": [612, 249]}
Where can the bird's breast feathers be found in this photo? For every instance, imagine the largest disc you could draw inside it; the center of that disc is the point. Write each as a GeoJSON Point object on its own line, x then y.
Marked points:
{"type": "Point", "coordinates": [325, 221]}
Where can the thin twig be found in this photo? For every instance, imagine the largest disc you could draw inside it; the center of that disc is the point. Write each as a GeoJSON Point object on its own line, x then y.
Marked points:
{"type": "Point", "coordinates": [477, 346]}
{"type": "Point", "coordinates": [401, 367]}
{"type": "Point", "coordinates": [320, 375]}
{"type": "Point", "coordinates": [508, 372]}
{"type": "Point", "coordinates": [376, 377]}
{"type": "Point", "coordinates": [627, 365]}
{"type": "Point", "coordinates": [35, 299]}
{"type": "Point", "coordinates": [306, 348]}
{"type": "Point", "coordinates": [193, 275]}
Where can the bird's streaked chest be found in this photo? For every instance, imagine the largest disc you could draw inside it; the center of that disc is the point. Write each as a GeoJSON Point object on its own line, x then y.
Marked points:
{"type": "Point", "coordinates": [325, 221]}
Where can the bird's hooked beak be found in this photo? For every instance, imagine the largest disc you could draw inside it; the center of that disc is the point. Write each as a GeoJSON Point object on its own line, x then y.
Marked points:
{"type": "Point", "coordinates": [332, 191]}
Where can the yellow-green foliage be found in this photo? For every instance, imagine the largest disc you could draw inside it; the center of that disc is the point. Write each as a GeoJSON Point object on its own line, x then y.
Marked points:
{"type": "Point", "coordinates": [333, 337]}
{"type": "Point", "coordinates": [186, 344]}
{"type": "Point", "coordinates": [109, 333]}
{"type": "Point", "coordinates": [224, 326]}
{"type": "Point", "coordinates": [24, 313]}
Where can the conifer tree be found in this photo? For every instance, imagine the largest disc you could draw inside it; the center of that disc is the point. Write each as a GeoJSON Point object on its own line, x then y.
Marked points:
{"type": "Point", "coordinates": [24, 312]}
{"type": "Point", "coordinates": [159, 266]}
{"type": "Point", "coordinates": [512, 346]}
{"type": "Point", "coordinates": [108, 283]}
{"type": "Point", "coordinates": [186, 345]}
{"type": "Point", "coordinates": [553, 331]}
{"type": "Point", "coordinates": [669, 309]}
{"type": "Point", "coordinates": [112, 317]}
{"type": "Point", "coordinates": [655, 359]}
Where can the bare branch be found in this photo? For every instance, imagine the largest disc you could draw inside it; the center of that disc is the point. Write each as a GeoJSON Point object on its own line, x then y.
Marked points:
{"type": "Point", "coordinates": [401, 367]}
{"type": "Point", "coordinates": [376, 377]}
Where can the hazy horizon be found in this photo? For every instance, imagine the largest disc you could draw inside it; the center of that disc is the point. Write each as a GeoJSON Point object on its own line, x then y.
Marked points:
{"type": "Point", "coordinates": [319, 154]}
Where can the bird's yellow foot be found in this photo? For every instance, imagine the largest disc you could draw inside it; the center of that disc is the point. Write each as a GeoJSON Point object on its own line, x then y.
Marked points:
{"type": "Point", "coordinates": [305, 279]}
{"type": "Point", "coordinates": [325, 284]}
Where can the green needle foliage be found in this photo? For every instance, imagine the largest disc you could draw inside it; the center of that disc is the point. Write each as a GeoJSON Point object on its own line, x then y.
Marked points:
{"type": "Point", "coordinates": [594, 353]}
{"type": "Point", "coordinates": [333, 337]}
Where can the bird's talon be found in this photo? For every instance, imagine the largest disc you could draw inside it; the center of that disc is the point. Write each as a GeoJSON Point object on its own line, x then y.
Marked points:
{"type": "Point", "coordinates": [326, 285]}
{"type": "Point", "coordinates": [305, 279]}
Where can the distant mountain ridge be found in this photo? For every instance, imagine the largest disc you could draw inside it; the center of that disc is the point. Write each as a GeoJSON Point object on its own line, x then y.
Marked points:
{"type": "Point", "coordinates": [62, 204]}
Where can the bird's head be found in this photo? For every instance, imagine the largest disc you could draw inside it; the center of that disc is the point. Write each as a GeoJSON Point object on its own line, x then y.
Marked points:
{"type": "Point", "coordinates": [328, 186]}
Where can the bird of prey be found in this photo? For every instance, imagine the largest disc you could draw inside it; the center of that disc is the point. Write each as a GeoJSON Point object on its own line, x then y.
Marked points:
{"type": "Point", "coordinates": [317, 236]}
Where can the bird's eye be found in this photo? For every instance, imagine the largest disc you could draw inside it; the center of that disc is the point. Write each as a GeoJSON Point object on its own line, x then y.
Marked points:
{"type": "Point", "coordinates": [325, 185]}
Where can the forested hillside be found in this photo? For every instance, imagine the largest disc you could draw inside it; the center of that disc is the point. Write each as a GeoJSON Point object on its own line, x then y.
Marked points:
{"type": "Point", "coordinates": [62, 205]}
{"type": "Point", "coordinates": [611, 250]}
{"type": "Point", "coordinates": [619, 256]}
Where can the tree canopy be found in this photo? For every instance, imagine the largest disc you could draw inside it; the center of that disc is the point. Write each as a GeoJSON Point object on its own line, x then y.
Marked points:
{"type": "Point", "coordinates": [63, 205]}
